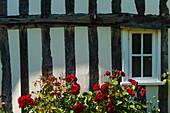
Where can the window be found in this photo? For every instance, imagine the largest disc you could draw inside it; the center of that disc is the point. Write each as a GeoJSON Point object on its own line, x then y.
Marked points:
{"type": "Point", "coordinates": [141, 56]}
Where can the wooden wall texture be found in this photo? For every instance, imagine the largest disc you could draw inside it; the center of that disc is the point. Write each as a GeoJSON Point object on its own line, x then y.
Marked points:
{"type": "Point", "coordinates": [116, 19]}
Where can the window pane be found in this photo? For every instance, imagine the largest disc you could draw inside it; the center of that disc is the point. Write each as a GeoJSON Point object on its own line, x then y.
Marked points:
{"type": "Point", "coordinates": [136, 66]}
{"type": "Point", "coordinates": [136, 43]}
{"type": "Point", "coordinates": [147, 66]}
{"type": "Point", "coordinates": [147, 43]}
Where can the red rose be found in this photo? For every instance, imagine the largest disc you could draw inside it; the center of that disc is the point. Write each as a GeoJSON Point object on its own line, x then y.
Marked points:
{"type": "Point", "coordinates": [113, 76]}
{"type": "Point", "coordinates": [129, 80]}
{"type": "Point", "coordinates": [143, 92]}
{"type": "Point", "coordinates": [73, 78]}
{"type": "Point", "coordinates": [130, 91]}
{"type": "Point", "coordinates": [98, 98]}
{"type": "Point", "coordinates": [111, 97]}
{"type": "Point", "coordinates": [96, 87]}
{"type": "Point", "coordinates": [25, 100]}
{"type": "Point", "coordinates": [105, 89]}
{"type": "Point", "coordinates": [126, 86]}
{"type": "Point", "coordinates": [107, 73]}
{"type": "Point", "coordinates": [123, 73]}
{"type": "Point", "coordinates": [78, 108]}
{"type": "Point", "coordinates": [111, 108]}
{"type": "Point", "coordinates": [104, 97]}
{"type": "Point", "coordinates": [75, 89]}
{"type": "Point", "coordinates": [57, 83]}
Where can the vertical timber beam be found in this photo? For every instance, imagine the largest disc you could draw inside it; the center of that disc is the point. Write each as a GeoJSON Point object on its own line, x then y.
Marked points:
{"type": "Point", "coordinates": [5, 59]}
{"type": "Point", "coordinates": [140, 6]}
{"type": "Point", "coordinates": [93, 56]}
{"type": "Point", "coordinates": [23, 7]}
{"type": "Point", "coordinates": [69, 6]}
{"type": "Point", "coordinates": [70, 50]}
{"type": "Point", "coordinates": [23, 10]}
{"type": "Point", "coordinates": [163, 8]}
{"type": "Point", "coordinates": [47, 66]}
{"type": "Point", "coordinates": [163, 90]}
{"type": "Point", "coordinates": [116, 48]}
{"type": "Point", "coordinates": [116, 6]}
{"type": "Point", "coordinates": [92, 6]}
{"type": "Point", "coordinates": [45, 7]}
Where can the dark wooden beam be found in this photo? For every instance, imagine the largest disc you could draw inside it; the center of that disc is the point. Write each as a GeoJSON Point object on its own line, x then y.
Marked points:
{"type": "Point", "coordinates": [45, 7]}
{"type": "Point", "coordinates": [23, 7]}
{"type": "Point", "coordinates": [47, 65]}
{"type": "Point", "coordinates": [116, 48]}
{"type": "Point", "coordinates": [116, 6]}
{"type": "Point", "coordinates": [163, 90]}
{"type": "Point", "coordinates": [93, 56]}
{"type": "Point", "coordinates": [69, 6]}
{"type": "Point", "coordinates": [6, 71]}
{"type": "Point", "coordinates": [24, 63]}
{"type": "Point", "coordinates": [92, 6]}
{"type": "Point", "coordinates": [163, 8]}
{"type": "Point", "coordinates": [70, 51]}
{"type": "Point", "coordinates": [140, 6]}
{"type": "Point", "coordinates": [3, 8]}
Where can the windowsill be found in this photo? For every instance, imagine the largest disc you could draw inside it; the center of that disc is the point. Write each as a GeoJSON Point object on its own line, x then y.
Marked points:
{"type": "Point", "coordinates": [145, 83]}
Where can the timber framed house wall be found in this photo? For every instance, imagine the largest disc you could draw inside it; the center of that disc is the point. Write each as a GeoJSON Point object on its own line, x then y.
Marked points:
{"type": "Point", "coordinates": [115, 20]}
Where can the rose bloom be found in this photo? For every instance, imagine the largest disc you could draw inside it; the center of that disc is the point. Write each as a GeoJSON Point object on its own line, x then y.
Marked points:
{"type": "Point", "coordinates": [111, 108]}
{"type": "Point", "coordinates": [78, 108]}
{"type": "Point", "coordinates": [143, 92]}
{"type": "Point", "coordinates": [130, 91]}
{"type": "Point", "coordinates": [107, 73]}
{"type": "Point", "coordinates": [98, 98]}
{"type": "Point", "coordinates": [96, 87]}
{"type": "Point", "coordinates": [57, 83]}
{"type": "Point", "coordinates": [75, 89]}
{"type": "Point", "coordinates": [126, 86]}
{"type": "Point", "coordinates": [68, 79]}
{"type": "Point", "coordinates": [111, 97]}
{"type": "Point", "coordinates": [122, 73]}
{"type": "Point", "coordinates": [105, 89]}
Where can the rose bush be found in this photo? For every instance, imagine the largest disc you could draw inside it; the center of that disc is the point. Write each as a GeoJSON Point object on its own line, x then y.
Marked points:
{"type": "Point", "coordinates": [63, 96]}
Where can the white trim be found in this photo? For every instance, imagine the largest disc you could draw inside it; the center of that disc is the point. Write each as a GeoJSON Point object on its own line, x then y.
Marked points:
{"type": "Point", "coordinates": [126, 35]}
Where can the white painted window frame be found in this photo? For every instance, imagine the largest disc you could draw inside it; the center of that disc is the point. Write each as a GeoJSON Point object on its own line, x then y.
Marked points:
{"type": "Point", "coordinates": [126, 46]}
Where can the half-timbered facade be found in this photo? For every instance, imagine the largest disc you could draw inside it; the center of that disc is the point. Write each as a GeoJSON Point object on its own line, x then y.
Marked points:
{"type": "Point", "coordinates": [85, 38]}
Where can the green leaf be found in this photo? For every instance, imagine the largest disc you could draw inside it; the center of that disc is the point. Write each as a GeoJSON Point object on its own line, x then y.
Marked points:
{"type": "Point", "coordinates": [90, 93]}
{"type": "Point", "coordinates": [53, 107]}
{"type": "Point", "coordinates": [132, 106]}
{"type": "Point", "coordinates": [164, 81]}
{"type": "Point", "coordinates": [85, 94]}
{"type": "Point", "coordinates": [144, 106]}
{"type": "Point", "coordinates": [164, 75]}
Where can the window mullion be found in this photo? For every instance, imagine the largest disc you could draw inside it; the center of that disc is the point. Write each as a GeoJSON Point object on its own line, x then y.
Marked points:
{"type": "Point", "coordinates": [142, 55]}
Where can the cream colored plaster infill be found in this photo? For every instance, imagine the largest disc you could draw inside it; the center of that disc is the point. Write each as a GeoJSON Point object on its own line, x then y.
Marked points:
{"type": "Point", "coordinates": [81, 6]}
{"type": "Point", "coordinates": [150, 92]}
{"type": "Point", "coordinates": [104, 6]}
{"type": "Point", "coordinates": [58, 6]}
{"type": "Point", "coordinates": [168, 4]}
{"type": "Point", "coordinates": [169, 67]}
{"type": "Point", "coordinates": [152, 7]}
{"type": "Point", "coordinates": [12, 7]}
{"type": "Point", "coordinates": [14, 47]}
{"type": "Point", "coordinates": [58, 50]}
{"type": "Point", "coordinates": [128, 6]}
{"type": "Point", "coordinates": [34, 7]}
{"type": "Point", "coordinates": [82, 57]}
{"type": "Point", "coordinates": [104, 46]}
{"type": "Point", "coordinates": [34, 57]}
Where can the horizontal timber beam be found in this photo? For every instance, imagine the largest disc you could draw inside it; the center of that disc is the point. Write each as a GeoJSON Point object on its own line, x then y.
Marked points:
{"type": "Point", "coordinates": [127, 20]}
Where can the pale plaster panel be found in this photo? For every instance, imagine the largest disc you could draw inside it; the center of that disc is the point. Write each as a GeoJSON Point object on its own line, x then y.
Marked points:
{"type": "Point", "coordinates": [152, 7]}
{"type": "Point", "coordinates": [81, 6]}
{"type": "Point", "coordinates": [169, 67]}
{"type": "Point", "coordinates": [58, 6]}
{"type": "Point", "coordinates": [58, 50]}
{"type": "Point", "coordinates": [104, 45]}
{"type": "Point", "coordinates": [82, 57]}
{"type": "Point", "coordinates": [128, 6]}
{"type": "Point", "coordinates": [34, 7]}
{"type": "Point", "coordinates": [34, 57]}
{"type": "Point", "coordinates": [14, 47]}
{"type": "Point", "coordinates": [168, 4]}
{"type": "Point", "coordinates": [104, 6]}
{"type": "Point", "coordinates": [150, 92]}
{"type": "Point", "coordinates": [13, 7]}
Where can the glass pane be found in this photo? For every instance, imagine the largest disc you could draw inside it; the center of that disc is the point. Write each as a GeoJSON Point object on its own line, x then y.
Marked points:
{"type": "Point", "coordinates": [147, 66]}
{"type": "Point", "coordinates": [136, 43]}
{"type": "Point", "coordinates": [147, 43]}
{"type": "Point", "coordinates": [136, 66]}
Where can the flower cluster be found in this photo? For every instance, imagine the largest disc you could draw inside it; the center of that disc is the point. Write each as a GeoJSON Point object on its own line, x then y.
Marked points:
{"type": "Point", "coordinates": [25, 100]}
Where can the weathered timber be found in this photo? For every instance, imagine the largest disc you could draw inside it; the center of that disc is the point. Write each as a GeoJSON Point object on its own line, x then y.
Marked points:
{"type": "Point", "coordinates": [92, 6]}
{"type": "Point", "coordinates": [47, 65]}
{"type": "Point", "coordinates": [23, 7]}
{"type": "Point", "coordinates": [140, 6]}
{"type": "Point", "coordinates": [128, 20]}
{"type": "Point", "coordinates": [70, 50]}
{"type": "Point", "coordinates": [69, 6]}
{"type": "Point", "coordinates": [45, 7]}
{"type": "Point", "coordinates": [24, 63]}
{"type": "Point", "coordinates": [163, 90]}
{"type": "Point", "coordinates": [116, 6]}
{"type": "Point", "coordinates": [3, 8]}
{"type": "Point", "coordinates": [6, 71]}
{"type": "Point", "coordinates": [163, 8]}
{"type": "Point", "coordinates": [93, 56]}
{"type": "Point", "coordinates": [116, 48]}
